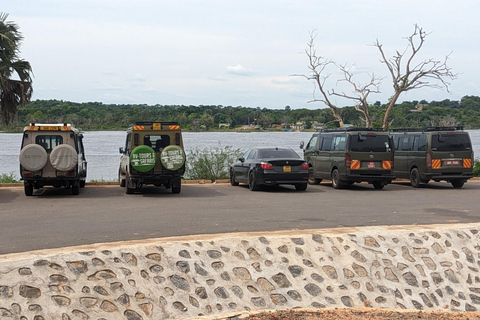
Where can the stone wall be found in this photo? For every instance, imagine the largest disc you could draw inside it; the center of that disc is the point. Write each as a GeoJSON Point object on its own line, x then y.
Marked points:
{"type": "Point", "coordinates": [430, 267]}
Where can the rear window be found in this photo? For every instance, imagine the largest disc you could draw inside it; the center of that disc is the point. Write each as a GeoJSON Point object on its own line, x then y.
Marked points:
{"type": "Point", "coordinates": [263, 154]}
{"type": "Point", "coordinates": [48, 142]}
{"type": "Point", "coordinates": [370, 143]}
{"type": "Point", "coordinates": [451, 142]}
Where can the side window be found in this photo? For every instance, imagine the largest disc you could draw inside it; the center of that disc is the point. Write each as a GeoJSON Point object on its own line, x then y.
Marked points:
{"type": "Point", "coordinates": [422, 143]}
{"type": "Point", "coordinates": [127, 143]}
{"type": "Point", "coordinates": [415, 143]}
{"type": "Point", "coordinates": [312, 143]}
{"type": "Point", "coordinates": [245, 155]}
{"type": "Point", "coordinates": [48, 142]}
{"type": "Point", "coordinates": [338, 143]}
{"type": "Point", "coordinates": [252, 154]}
{"type": "Point", "coordinates": [327, 141]}
{"type": "Point", "coordinates": [405, 143]}
{"type": "Point", "coordinates": [396, 142]}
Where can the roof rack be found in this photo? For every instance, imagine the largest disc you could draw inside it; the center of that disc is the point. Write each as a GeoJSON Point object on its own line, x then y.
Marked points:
{"type": "Point", "coordinates": [149, 123]}
{"type": "Point", "coordinates": [348, 129]}
{"type": "Point", "coordinates": [427, 129]}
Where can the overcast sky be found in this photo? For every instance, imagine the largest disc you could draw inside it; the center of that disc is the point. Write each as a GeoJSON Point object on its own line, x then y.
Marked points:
{"type": "Point", "coordinates": [232, 53]}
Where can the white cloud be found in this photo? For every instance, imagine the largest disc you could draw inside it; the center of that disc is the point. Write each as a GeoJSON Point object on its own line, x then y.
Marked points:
{"type": "Point", "coordinates": [239, 70]}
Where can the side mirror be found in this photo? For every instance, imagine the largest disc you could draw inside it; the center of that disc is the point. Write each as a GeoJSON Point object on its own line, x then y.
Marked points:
{"type": "Point", "coordinates": [121, 150]}
{"type": "Point", "coordinates": [242, 160]}
{"type": "Point", "coordinates": [302, 144]}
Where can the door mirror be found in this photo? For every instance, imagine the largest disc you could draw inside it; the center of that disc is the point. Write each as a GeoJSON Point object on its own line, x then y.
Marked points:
{"type": "Point", "coordinates": [242, 160]}
{"type": "Point", "coordinates": [121, 150]}
{"type": "Point", "coordinates": [302, 144]}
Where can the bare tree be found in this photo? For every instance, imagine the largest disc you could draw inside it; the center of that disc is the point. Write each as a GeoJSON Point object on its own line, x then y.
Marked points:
{"type": "Point", "coordinates": [317, 66]}
{"type": "Point", "coordinates": [360, 93]}
{"type": "Point", "coordinates": [411, 75]}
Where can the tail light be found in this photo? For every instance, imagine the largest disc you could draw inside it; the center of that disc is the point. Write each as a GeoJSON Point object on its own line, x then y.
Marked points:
{"type": "Point", "coordinates": [70, 174]}
{"type": "Point", "coordinates": [304, 166]}
{"type": "Point", "coordinates": [429, 160]}
{"type": "Point", "coordinates": [348, 160]}
{"type": "Point", "coordinates": [27, 174]}
{"type": "Point", "coordinates": [266, 166]}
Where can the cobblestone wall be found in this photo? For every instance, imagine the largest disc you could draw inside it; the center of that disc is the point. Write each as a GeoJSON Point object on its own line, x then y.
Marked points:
{"type": "Point", "coordinates": [421, 268]}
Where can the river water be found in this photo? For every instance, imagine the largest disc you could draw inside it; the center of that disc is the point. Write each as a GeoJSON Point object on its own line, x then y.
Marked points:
{"type": "Point", "coordinates": [101, 147]}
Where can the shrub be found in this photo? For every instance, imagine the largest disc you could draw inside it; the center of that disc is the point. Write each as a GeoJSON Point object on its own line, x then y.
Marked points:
{"type": "Point", "coordinates": [476, 168]}
{"type": "Point", "coordinates": [211, 163]}
{"type": "Point", "coordinates": [8, 178]}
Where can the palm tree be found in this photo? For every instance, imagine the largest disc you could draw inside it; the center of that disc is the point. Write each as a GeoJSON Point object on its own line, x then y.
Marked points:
{"type": "Point", "coordinates": [14, 93]}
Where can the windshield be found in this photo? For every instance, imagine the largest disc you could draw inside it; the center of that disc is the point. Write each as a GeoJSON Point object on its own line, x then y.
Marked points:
{"type": "Point", "coordinates": [370, 143]}
{"type": "Point", "coordinates": [451, 142]}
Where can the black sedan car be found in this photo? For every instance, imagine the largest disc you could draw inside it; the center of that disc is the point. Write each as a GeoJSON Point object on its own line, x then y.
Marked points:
{"type": "Point", "coordinates": [270, 167]}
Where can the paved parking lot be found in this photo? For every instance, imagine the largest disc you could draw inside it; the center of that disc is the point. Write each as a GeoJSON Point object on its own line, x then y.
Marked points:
{"type": "Point", "coordinates": [54, 218]}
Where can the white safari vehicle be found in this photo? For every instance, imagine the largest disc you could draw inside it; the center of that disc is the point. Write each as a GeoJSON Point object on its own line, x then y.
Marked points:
{"type": "Point", "coordinates": [52, 154]}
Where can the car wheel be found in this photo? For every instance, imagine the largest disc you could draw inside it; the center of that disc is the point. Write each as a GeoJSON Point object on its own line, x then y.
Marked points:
{"type": "Point", "coordinates": [311, 178]}
{"type": "Point", "coordinates": [82, 183]}
{"type": "Point", "coordinates": [28, 189]}
{"type": "Point", "coordinates": [76, 189]}
{"type": "Point", "coordinates": [127, 189]}
{"type": "Point", "coordinates": [301, 186]}
{"type": "Point", "coordinates": [121, 181]}
{"type": "Point", "coordinates": [378, 185]}
{"type": "Point", "coordinates": [252, 183]}
{"type": "Point", "coordinates": [336, 182]}
{"type": "Point", "coordinates": [177, 186]}
{"type": "Point", "coordinates": [415, 178]}
{"type": "Point", "coordinates": [457, 183]}
{"type": "Point", "coordinates": [233, 182]}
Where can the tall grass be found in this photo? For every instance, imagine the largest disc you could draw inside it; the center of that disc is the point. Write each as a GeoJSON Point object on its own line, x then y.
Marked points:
{"type": "Point", "coordinates": [211, 163]}
{"type": "Point", "coordinates": [8, 178]}
{"type": "Point", "coordinates": [476, 168]}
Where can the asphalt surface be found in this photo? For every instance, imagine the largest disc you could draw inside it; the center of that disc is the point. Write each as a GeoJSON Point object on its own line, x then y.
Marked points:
{"type": "Point", "coordinates": [53, 218]}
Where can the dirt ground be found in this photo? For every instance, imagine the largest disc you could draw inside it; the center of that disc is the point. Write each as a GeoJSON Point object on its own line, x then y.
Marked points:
{"type": "Point", "coordinates": [358, 314]}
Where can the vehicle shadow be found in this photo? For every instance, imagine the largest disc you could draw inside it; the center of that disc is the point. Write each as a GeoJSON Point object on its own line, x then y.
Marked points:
{"type": "Point", "coordinates": [282, 189]}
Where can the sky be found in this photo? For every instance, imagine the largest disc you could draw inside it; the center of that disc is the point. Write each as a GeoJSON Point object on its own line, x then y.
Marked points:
{"type": "Point", "coordinates": [234, 53]}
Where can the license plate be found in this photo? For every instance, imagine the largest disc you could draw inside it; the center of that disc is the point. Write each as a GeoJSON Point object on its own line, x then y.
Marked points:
{"type": "Point", "coordinates": [451, 162]}
{"type": "Point", "coordinates": [287, 169]}
{"type": "Point", "coordinates": [371, 165]}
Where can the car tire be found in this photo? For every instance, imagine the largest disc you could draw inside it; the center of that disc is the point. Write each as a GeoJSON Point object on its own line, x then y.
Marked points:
{"type": "Point", "coordinates": [378, 185]}
{"type": "Point", "coordinates": [252, 183]}
{"type": "Point", "coordinates": [76, 189]}
{"type": "Point", "coordinates": [64, 157]}
{"type": "Point", "coordinates": [33, 157]}
{"type": "Point", "coordinates": [128, 190]}
{"type": "Point", "coordinates": [233, 182]}
{"type": "Point", "coordinates": [121, 181]}
{"type": "Point", "coordinates": [301, 186]}
{"type": "Point", "coordinates": [82, 183]}
{"type": "Point", "coordinates": [177, 186]}
{"type": "Point", "coordinates": [415, 178]}
{"type": "Point", "coordinates": [311, 178]}
{"type": "Point", "coordinates": [457, 183]}
{"type": "Point", "coordinates": [336, 181]}
{"type": "Point", "coordinates": [28, 189]}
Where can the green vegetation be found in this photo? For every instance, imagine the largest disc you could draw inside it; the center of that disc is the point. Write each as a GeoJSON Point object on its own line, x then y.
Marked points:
{"type": "Point", "coordinates": [15, 73]}
{"type": "Point", "coordinates": [8, 178]}
{"type": "Point", "coordinates": [99, 116]}
{"type": "Point", "coordinates": [476, 168]}
{"type": "Point", "coordinates": [211, 163]}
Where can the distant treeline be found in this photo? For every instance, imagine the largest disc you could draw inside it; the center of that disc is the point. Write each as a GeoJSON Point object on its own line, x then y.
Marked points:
{"type": "Point", "coordinates": [99, 116]}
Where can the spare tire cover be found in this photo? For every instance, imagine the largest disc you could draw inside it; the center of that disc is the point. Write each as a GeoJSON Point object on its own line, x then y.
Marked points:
{"type": "Point", "coordinates": [143, 158]}
{"type": "Point", "coordinates": [64, 157]}
{"type": "Point", "coordinates": [172, 157]}
{"type": "Point", "coordinates": [33, 157]}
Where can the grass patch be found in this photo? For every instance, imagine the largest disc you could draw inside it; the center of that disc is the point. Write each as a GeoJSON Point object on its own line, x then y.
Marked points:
{"type": "Point", "coordinates": [8, 178]}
